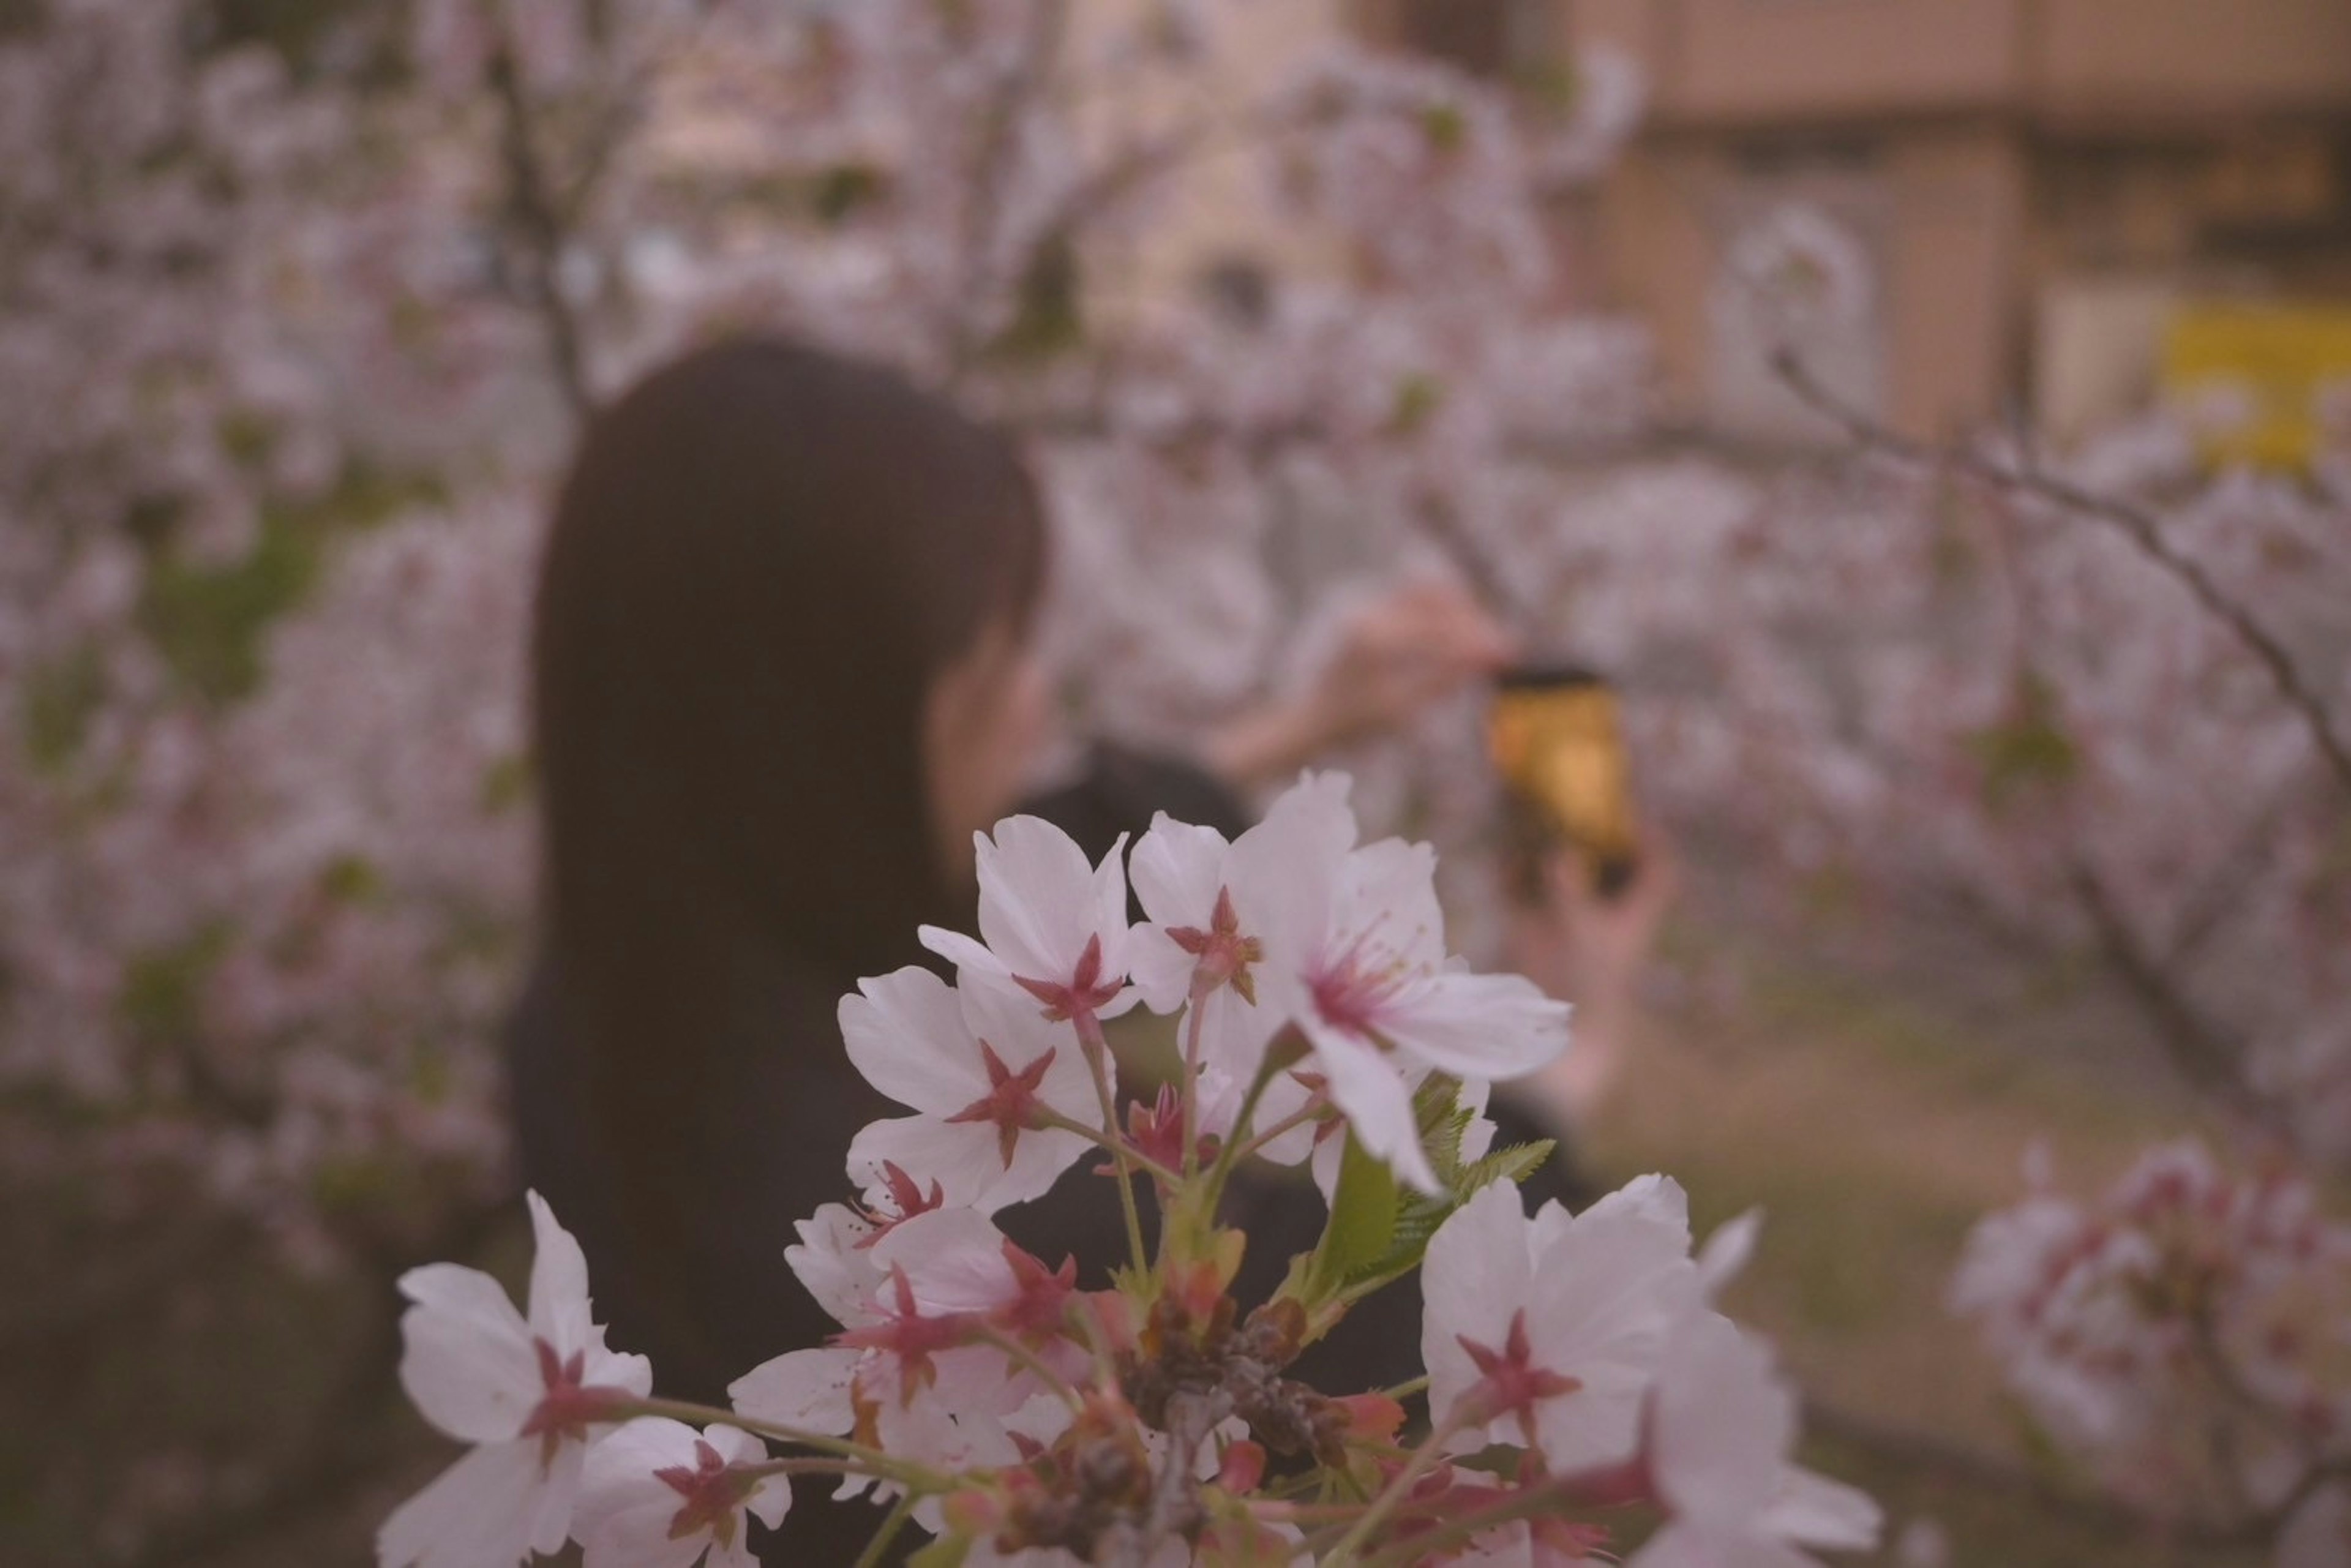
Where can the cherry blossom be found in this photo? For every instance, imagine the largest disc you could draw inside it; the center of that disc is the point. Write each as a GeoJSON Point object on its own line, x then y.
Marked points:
{"type": "Point", "coordinates": [1720, 1427]}
{"type": "Point", "coordinates": [1547, 1332]}
{"type": "Point", "coordinates": [1356, 959]}
{"type": "Point", "coordinates": [977, 1391]}
{"type": "Point", "coordinates": [1049, 923]}
{"type": "Point", "coordinates": [2186, 1302]}
{"type": "Point", "coordinates": [658, 1493]}
{"type": "Point", "coordinates": [530, 1394]}
{"type": "Point", "coordinates": [991, 1077]}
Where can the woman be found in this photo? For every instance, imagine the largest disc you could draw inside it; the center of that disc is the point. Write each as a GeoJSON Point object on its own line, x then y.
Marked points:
{"type": "Point", "coordinates": [782, 674]}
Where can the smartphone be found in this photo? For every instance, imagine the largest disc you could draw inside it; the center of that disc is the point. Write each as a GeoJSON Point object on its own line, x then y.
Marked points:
{"type": "Point", "coordinates": [1555, 739]}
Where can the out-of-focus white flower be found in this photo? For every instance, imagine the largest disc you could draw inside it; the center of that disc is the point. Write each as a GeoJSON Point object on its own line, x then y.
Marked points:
{"type": "Point", "coordinates": [1727, 1251]}
{"type": "Point", "coordinates": [1722, 1423]}
{"type": "Point", "coordinates": [658, 1494]}
{"type": "Point", "coordinates": [1547, 1334]}
{"type": "Point", "coordinates": [530, 1393]}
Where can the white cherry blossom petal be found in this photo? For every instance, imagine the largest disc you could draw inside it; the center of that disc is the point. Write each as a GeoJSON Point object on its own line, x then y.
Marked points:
{"type": "Point", "coordinates": [808, 1389]}
{"type": "Point", "coordinates": [1376, 1101]}
{"type": "Point", "coordinates": [468, 1516]}
{"type": "Point", "coordinates": [906, 1036]}
{"type": "Point", "coordinates": [466, 1360]}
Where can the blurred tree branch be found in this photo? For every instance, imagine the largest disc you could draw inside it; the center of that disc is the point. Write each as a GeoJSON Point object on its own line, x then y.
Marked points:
{"type": "Point", "coordinates": [542, 220]}
{"type": "Point", "coordinates": [2135, 524]}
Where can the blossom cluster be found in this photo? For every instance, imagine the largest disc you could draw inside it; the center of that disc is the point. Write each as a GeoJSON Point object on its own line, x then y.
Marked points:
{"type": "Point", "coordinates": [1575, 1365]}
{"type": "Point", "coordinates": [2184, 1337]}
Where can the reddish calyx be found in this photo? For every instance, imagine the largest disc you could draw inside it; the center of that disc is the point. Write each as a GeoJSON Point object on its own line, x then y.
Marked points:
{"type": "Point", "coordinates": [1083, 993]}
{"type": "Point", "coordinates": [905, 1199]}
{"type": "Point", "coordinates": [568, 1407]}
{"type": "Point", "coordinates": [711, 1492]}
{"type": "Point", "coordinates": [1509, 1384]}
{"type": "Point", "coordinates": [1040, 1309]}
{"type": "Point", "coordinates": [1157, 1133]}
{"type": "Point", "coordinates": [1010, 1102]}
{"type": "Point", "coordinates": [1223, 955]}
{"type": "Point", "coordinates": [911, 1337]}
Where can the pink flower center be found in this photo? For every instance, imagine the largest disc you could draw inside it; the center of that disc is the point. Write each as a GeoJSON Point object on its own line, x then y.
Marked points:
{"type": "Point", "coordinates": [712, 1492]}
{"type": "Point", "coordinates": [1355, 987]}
{"type": "Point", "coordinates": [1040, 1309]}
{"type": "Point", "coordinates": [1082, 995]}
{"type": "Point", "coordinates": [1224, 955]}
{"type": "Point", "coordinates": [1011, 1101]}
{"type": "Point", "coordinates": [1509, 1383]}
{"type": "Point", "coordinates": [567, 1408]}
{"type": "Point", "coordinates": [905, 1198]}
{"type": "Point", "coordinates": [911, 1337]}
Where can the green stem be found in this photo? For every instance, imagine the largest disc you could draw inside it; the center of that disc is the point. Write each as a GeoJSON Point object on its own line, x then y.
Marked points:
{"type": "Point", "coordinates": [800, 1467]}
{"type": "Point", "coordinates": [1049, 1117]}
{"type": "Point", "coordinates": [870, 1460]}
{"type": "Point", "coordinates": [1194, 1017]}
{"type": "Point", "coordinates": [879, 1547]}
{"type": "Point", "coordinates": [1392, 1497]}
{"type": "Point", "coordinates": [1408, 1388]}
{"type": "Point", "coordinates": [1307, 1113]}
{"type": "Point", "coordinates": [1243, 1122]}
{"type": "Point", "coordinates": [1097, 1054]}
{"type": "Point", "coordinates": [1529, 1504]}
{"type": "Point", "coordinates": [1090, 1330]}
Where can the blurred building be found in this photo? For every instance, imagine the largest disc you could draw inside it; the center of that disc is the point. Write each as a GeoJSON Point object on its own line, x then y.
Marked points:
{"type": "Point", "coordinates": [2025, 206]}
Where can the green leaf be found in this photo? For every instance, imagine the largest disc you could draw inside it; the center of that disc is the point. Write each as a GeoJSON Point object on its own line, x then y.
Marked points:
{"type": "Point", "coordinates": [845, 189]}
{"type": "Point", "coordinates": [1048, 314]}
{"type": "Point", "coordinates": [210, 621]}
{"type": "Point", "coordinates": [1446, 127]}
{"type": "Point", "coordinates": [1437, 1111]}
{"type": "Point", "coordinates": [1362, 1219]}
{"type": "Point", "coordinates": [1379, 1229]}
{"type": "Point", "coordinates": [1418, 1215]}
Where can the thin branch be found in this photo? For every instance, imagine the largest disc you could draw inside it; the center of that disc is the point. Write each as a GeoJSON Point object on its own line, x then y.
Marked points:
{"type": "Point", "coordinates": [1922, 1452]}
{"type": "Point", "coordinates": [2206, 907]}
{"type": "Point", "coordinates": [2133, 523]}
{"type": "Point", "coordinates": [1175, 1507]}
{"type": "Point", "coordinates": [2200, 1051]}
{"type": "Point", "coordinates": [1048, 19]}
{"type": "Point", "coordinates": [533, 210]}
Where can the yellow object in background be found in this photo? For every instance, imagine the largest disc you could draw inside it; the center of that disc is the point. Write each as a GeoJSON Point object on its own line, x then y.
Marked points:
{"type": "Point", "coordinates": [1554, 738]}
{"type": "Point", "coordinates": [2251, 378]}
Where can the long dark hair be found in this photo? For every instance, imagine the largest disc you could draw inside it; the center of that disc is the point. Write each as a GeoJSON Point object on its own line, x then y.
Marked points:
{"type": "Point", "coordinates": [763, 558]}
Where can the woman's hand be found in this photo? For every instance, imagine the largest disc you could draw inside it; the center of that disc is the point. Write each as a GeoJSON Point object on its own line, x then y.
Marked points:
{"type": "Point", "coordinates": [1395, 656]}
{"type": "Point", "coordinates": [1592, 951]}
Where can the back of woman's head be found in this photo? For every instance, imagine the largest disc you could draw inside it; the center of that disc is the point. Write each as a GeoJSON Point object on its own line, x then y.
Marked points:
{"type": "Point", "coordinates": [761, 561]}
{"type": "Point", "coordinates": [764, 560]}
